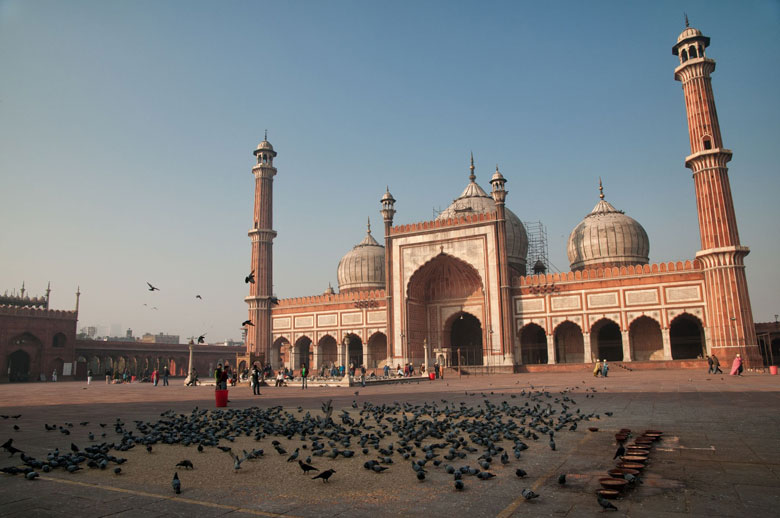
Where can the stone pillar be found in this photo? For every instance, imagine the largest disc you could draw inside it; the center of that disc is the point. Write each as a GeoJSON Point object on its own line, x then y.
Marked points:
{"type": "Point", "coordinates": [626, 346]}
{"type": "Point", "coordinates": [667, 341]}
{"type": "Point", "coordinates": [551, 349]}
{"type": "Point", "coordinates": [343, 356]}
{"type": "Point", "coordinates": [587, 354]}
{"type": "Point", "coordinates": [425, 351]}
{"type": "Point", "coordinates": [365, 356]}
{"type": "Point", "coordinates": [189, 369]}
{"type": "Point", "coordinates": [315, 360]}
{"type": "Point", "coordinates": [291, 363]}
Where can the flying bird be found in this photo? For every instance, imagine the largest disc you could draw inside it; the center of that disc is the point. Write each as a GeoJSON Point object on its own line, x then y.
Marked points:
{"type": "Point", "coordinates": [250, 278]}
{"type": "Point", "coordinates": [247, 323]}
{"type": "Point", "coordinates": [198, 297]}
{"type": "Point", "coordinates": [202, 338]}
{"type": "Point", "coordinates": [152, 288]}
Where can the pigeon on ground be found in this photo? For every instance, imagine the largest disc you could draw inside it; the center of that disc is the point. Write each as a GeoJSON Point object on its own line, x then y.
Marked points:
{"type": "Point", "coordinates": [176, 483]}
{"type": "Point", "coordinates": [620, 452]}
{"type": "Point", "coordinates": [528, 494]}
{"type": "Point", "coordinates": [606, 504]}
{"type": "Point", "coordinates": [562, 479]}
{"type": "Point", "coordinates": [185, 464]}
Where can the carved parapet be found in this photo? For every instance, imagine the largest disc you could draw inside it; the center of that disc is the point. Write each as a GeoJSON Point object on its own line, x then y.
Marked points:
{"type": "Point", "coordinates": [609, 273]}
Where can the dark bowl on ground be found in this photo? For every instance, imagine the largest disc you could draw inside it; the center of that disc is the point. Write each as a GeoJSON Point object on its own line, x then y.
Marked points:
{"type": "Point", "coordinates": [631, 465]}
{"type": "Point", "coordinates": [619, 472]}
{"type": "Point", "coordinates": [613, 483]}
{"type": "Point", "coordinates": [608, 493]}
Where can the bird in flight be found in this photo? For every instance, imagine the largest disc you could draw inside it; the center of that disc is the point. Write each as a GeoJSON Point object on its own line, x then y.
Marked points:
{"type": "Point", "coordinates": [198, 297]}
{"type": "Point", "coordinates": [152, 288]}
{"type": "Point", "coordinates": [202, 338]}
{"type": "Point", "coordinates": [250, 278]}
{"type": "Point", "coordinates": [247, 323]}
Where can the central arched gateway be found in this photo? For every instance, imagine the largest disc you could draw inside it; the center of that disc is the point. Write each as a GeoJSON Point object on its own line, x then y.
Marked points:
{"type": "Point", "coordinates": [19, 366]}
{"type": "Point", "coordinates": [354, 350]}
{"type": "Point", "coordinates": [607, 340]}
{"type": "Point", "coordinates": [445, 305]}
{"type": "Point", "coordinates": [533, 344]}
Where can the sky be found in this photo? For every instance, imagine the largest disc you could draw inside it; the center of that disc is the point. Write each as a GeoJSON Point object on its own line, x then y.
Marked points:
{"type": "Point", "coordinates": [127, 130]}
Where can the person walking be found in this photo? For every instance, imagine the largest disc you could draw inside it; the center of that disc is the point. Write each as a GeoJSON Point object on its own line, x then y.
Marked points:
{"type": "Point", "coordinates": [604, 368]}
{"type": "Point", "coordinates": [736, 366]}
{"type": "Point", "coordinates": [155, 377]}
{"type": "Point", "coordinates": [255, 381]}
{"type": "Point", "coordinates": [597, 369]}
{"type": "Point", "coordinates": [166, 373]}
{"type": "Point", "coordinates": [89, 376]}
{"type": "Point", "coordinates": [362, 375]}
{"type": "Point", "coordinates": [304, 374]}
{"type": "Point", "coordinates": [709, 364]}
{"type": "Point", "coordinates": [716, 365]}
{"type": "Point", "coordinates": [218, 376]}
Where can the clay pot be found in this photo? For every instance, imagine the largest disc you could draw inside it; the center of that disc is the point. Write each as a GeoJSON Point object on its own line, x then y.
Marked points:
{"type": "Point", "coordinates": [631, 465]}
{"type": "Point", "coordinates": [613, 483]}
{"type": "Point", "coordinates": [619, 472]}
{"type": "Point", "coordinates": [609, 493]}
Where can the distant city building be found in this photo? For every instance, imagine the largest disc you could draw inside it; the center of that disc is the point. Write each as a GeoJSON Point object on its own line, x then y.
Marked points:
{"type": "Point", "coordinates": [160, 338]}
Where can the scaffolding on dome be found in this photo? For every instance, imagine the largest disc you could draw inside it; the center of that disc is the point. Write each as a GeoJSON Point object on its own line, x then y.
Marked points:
{"type": "Point", "coordinates": [538, 259]}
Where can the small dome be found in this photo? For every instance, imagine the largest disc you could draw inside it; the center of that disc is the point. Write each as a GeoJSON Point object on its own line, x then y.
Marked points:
{"type": "Point", "coordinates": [387, 196]}
{"type": "Point", "coordinates": [607, 237]}
{"type": "Point", "coordinates": [474, 200]}
{"type": "Point", "coordinates": [689, 32]}
{"type": "Point", "coordinates": [265, 145]}
{"type": "Point", "coordinates": [363, 267]}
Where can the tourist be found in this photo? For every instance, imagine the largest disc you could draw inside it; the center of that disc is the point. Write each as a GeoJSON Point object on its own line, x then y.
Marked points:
{"type": "Point", "coordinates": [279, 378]}
{"type": "Point", "coordinates": [422, 369]}
{"type": "Point", "coordinates": [716, 365]}
{"type": "Point", "coordinates": [411, 369]}
{"type": "Point", "coordinates": [166, 373]}
{"type": "Point", "coordinates": [54, 375]}
{"type": "Point", "coordinates": [398, 371]}
{"type": "Point", "coordinates": [709, 365]}
{"type": "Point", "coordinates": [736, 366]}
{"type": "Point", "coordinates": [341, 370]}
{"type": "Point", "coordinates": [108, 376]}
{"type": "Point", "coordinates": [604, 368]}
{"type": "Point", "coordinates": [362, 375]}
{"type": "Point", "coordinates": [386, 370]}
{"type": "Point", "coordinates": [193, 378]}
{"type": "Point", "coordinates": [218, 376]}
{"type": "Point", "coordinates": [255, 381]}
{"type": "Point", "coordinates": [89, 376]}
{"type": "Point", "coordinates": [223, 377]}
{"type": "Point", "coordinates": [597, 369]}
{"type": "Point", "coordinates": [155, 377]}
{"type": "Point", "coordinates": [304, 374]}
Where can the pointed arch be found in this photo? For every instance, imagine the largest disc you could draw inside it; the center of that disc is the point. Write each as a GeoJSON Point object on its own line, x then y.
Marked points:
{"type": "Point", "coordinates": [533, 344]}
{"type": "Point", "coordinates": [686, 336]}
{"type": "Point", "coordinates": [607, 340]}
{"type": "Point", "coordinates": [569, 343]}
{"type": "Point", "coordinates": [644, 337]}
{"type": "Point", "coordinates": [303, 352]}
{"type": "Point", "coordinates": [377, 350]}
{"type": "Point", "coordinates": [328, 350]}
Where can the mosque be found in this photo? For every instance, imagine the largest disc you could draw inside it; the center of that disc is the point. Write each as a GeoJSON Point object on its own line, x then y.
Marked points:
{"type": "Point", "coordinates": [458, 289]}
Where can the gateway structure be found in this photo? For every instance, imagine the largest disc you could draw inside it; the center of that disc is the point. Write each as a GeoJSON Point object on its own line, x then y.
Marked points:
{"type": "Point", "coordinates": [457, 289]}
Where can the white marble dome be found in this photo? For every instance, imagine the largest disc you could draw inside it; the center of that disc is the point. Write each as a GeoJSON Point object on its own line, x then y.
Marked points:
{"type": "Point", "coordinates": [363, 267]}
{"type": "Point", "coordinates": [607, 237]}
{"type": "Point", "coordinates": [474, 200]}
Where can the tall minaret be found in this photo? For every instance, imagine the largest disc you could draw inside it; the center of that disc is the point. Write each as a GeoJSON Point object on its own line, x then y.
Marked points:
{"type": "Point", "coordinates": [499, 196]}
{"type": "Point", "coordinates": [258, 337]}
{"type": "Point", "coordinates": [730, 329]}
{"type": "Point", "coordinates": [388, 211]}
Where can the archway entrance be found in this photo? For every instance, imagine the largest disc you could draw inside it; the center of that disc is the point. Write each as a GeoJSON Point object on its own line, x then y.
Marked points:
{"type": "Point", "coordinates": [329, 352]}
{"type": "Point", "coordinates": [687, 337]}
{"type": "Point", "coordinates": [609, 340]}
{"type": "Point", "coordinates": [645, 338]}
{"type": "Point", "coordinates": [466, 335]}
{"type": "Point", "coordinates": [19, 366]}
{"type": "Point", "coordinates": [434, 290]}
{"type": "Point", "coordinates": [354, 350]}
{"type": "Point", "coordinates": [569, 345]}
{"type": "Point", "coordinates": [533, 344]}
{"type": "Point", "coordinates": [277, 353]}
{"type": "Point", "coordinates": [302, 352]}
{"type": "Point", "coordinates": [377, 350]}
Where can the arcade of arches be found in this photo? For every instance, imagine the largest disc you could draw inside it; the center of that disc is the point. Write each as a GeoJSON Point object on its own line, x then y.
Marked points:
{"type": "Point", "coordinates": [645, 340]}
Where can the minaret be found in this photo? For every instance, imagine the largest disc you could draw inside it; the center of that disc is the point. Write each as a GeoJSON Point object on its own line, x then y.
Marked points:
{"type": "Point", "coordinates": [730, 329]}
{"type": "Point", "coordinates": [388, 211]}
{"type": "Point", "coordinates": [499, 196]}
{"type": "Point", "coordinates": [258, 337]}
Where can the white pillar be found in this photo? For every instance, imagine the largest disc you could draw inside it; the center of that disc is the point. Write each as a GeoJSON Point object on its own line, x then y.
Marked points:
{"type": "Point", "coordinates": [189, 369]}
{"type": "Point", "coordinates": [292, 363]}
{"type": "Point", "coordinates": [315, 362]}
{"type": "Point", "coordinates": [550, 349]}
{"type": "Point", "coordinates": [343, 356]}
{"type": "Point", "coordinates": [587, 354]}
{"type": "Point", "coordinates": [626, 346]}
{"type": "Point", "coordinates": [667, 341]}
{"type": "Point", "coordinates": [365, 357]}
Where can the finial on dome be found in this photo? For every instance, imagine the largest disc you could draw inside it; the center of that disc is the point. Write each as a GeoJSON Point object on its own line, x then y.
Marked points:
{"type": "Point", "coordinates": [266, 136]}
{"type": "Point", "coordinates": [368, 231]}
{"type": "Point", "coordinates": [601, 189]}
{"type": "Point", "coordinates": [472, 176]}
{"type": "Point", "coordinates": [686, 20]}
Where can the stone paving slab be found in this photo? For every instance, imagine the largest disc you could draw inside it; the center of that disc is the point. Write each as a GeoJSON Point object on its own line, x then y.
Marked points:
{"type": "Point", "coordinates": [719, 457]}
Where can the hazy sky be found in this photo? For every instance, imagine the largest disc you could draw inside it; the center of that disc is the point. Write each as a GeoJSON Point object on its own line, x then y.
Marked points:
{"type": "Point", "coordinates": [127, 130]}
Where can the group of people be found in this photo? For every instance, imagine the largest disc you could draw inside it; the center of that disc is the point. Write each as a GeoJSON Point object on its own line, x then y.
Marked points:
{"type": "Point", "coordinates": [713, 364]}
{"type": "Point", "coordinates": [601, 368]}
{"type": "Point", "coordinates": [223, 376]}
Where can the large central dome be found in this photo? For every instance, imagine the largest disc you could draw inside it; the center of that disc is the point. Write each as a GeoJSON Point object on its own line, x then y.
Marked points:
{"type": "Point", "coordinates": [363, 268]}
{"type": "Point", "coordinates": [474, 200]}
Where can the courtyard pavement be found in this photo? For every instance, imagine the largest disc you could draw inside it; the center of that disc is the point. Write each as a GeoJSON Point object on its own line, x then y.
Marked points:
{"type": "Point", "coordinates": [720, 454]}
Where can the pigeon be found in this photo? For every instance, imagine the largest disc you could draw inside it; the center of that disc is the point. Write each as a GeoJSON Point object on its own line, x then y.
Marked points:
{"type": "Point", "coordinates": [185, 464]}
{"type": "Point", "coordinates": [552, 444]}
{"type": "Point", "coordinates": [237, 463]}
{"type": "Point", "coordinates": [421, 475]}
{"type": "Point", "coordinates": [226, 449]}
{"type": "Point", "coordinates": [562, 479]}
{"type": "Point", "coordinates": [620, 452]}
{"type": "Point", "coordinates": [294, 455]}
{"type": "Point", "coordinates": [459, 485]}
{"type": "Point", "coordinates": [306, 467]}
{"type": "Point", "coordinates": [200, 448]}
{"type": "Point", "coordinates": [250, 278]}
{"type": "Point", "coordinates": [202, 338]}
{"type": "Point", "coordinates": [117, 470]}
{"type": "Point", "coordinates": [520, 472]}
{"type": "Point", "coordinates": [528, 494]}
{"type": "Point", "coordinates": [606, 504]}
{"type": "Point", "coordinates": [74, 448]}
{"type": "Point", "coordinates": [152, 288]}
{"type": "Point", "coordinates": [247, 323]}
{"type": "Point", "coordinates": [32, 475]}
{"type": "Point", "coordinates": [198, 297]}
{"type": "Point", "coordinates": [176, 483]}
{"type": "Point", "coordinates": [325, 475]}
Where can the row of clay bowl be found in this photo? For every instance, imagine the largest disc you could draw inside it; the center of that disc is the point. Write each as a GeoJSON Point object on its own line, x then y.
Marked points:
{"type": "Point", "coordinates": [633, 462]}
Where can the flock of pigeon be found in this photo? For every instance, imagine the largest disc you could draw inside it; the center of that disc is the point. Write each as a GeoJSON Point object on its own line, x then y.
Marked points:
{"type": "Point", "coordinates": [459, 440]}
